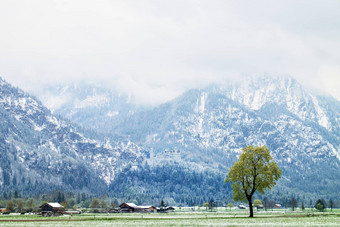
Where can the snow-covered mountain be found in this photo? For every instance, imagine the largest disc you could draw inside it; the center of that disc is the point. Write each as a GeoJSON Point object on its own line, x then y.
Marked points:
{"type": "Point", "coordinates": [201, 133]}
{"type": "Point", "coordinates": [207, 128]}
{"type": "Point", "coordinates": [40, 151]}
{"type": "Point", "coordinates": [288, 93]}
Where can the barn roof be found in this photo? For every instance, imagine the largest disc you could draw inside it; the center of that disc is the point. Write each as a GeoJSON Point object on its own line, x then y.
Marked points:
{"type": "Point", "coordinates": [54, 205]}
{"type": "Point", "coordinates": [146, 207]}
{"type": "Point", "coordinates": [130, 205]}
{"type": "Point", "coordinates": [135, 206]}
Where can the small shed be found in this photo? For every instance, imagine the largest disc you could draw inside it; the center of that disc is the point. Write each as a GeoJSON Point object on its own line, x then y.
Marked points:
{"type": "Point", "coordinates": [49, 209]}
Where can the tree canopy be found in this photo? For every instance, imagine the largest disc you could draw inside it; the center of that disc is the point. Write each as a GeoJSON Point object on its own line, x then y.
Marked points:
{"type": "Point", "coordinates": [230, 205]}
{"type": "Point", "coordinates": [254, 171]}
{"type": "Point", "coordinates": [320, 205]}
{"type": "Point", "coordinates": [257, 203]}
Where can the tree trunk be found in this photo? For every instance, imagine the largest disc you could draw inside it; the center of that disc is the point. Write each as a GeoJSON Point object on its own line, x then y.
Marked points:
{"type": "Point", "coordinates": [251, 215]}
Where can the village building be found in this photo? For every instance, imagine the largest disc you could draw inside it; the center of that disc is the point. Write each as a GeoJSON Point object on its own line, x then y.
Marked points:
{"type": "Point", "coordinates": [131, 208]}
{"type": "Point", "coordinates": [51, 209]}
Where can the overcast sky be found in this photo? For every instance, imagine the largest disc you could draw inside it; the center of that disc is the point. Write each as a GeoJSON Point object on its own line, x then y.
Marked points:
{"type": "Point", "coordinates": [157, 49]}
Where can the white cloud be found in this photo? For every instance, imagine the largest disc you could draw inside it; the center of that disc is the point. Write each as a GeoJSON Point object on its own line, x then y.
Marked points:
{"type": "Point", "coordinates": [157, 49]}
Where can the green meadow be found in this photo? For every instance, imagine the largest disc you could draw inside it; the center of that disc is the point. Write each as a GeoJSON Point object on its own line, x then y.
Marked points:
{"type": "Point", "coordinates": [197, 218]}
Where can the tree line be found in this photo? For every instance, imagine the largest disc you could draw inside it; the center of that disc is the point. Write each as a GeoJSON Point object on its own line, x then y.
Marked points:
{"type": "Point", "coordinates": [16, 203]}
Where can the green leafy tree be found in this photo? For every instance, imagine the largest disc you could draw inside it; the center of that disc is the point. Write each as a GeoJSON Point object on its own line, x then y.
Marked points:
{"type": "Point", "coordinates": [266, 203]}
{"type": "Point", "coordinates": [78, 198]}
{"type": "Point", "coordinates": [320, 205]}
{"type": "Point", "coordinates": [20, 206]}
{"type": "Point", "coordinates": [61, 197]}
{"type": "Point", "coordinates": [86, 203]}
{"type": "Point", "coordinates": [162, 204]}
{"type": "Point", "coordinates": [30, 205]}
{"type": "Point", "coordinates": [293, 203]}
{"type": "Point", "coordinates": [72, 202]}
{"type": "Point", "coordinates": [254, 171]}
{"type": "Point", "coordinates": [257, 203]}
{"type": "Point", "coordinates": [95, 203]}
{"type": "Point", "coordinates": [302, 206]}
{"type": "Point", "coordinates": [212, 204]}
{"type": "Point", "coordinates": [103, 204]}
{"type": "Point", "coordinates": [271, 204]}
{"type": "Point", "coordinates": [206, 205]}
{"type": "Point", "coordinates": [10, 206]}
{"type": "Point", "coordinates": [230, 205]}
{"type": "Point", "coordinates": [65, 204]}
{"type": "Point", "coordinates": [2, 203]}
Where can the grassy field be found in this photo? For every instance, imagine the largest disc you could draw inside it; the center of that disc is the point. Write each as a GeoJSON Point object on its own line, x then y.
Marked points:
{"type": "Point", "coordinates": [234, 218]}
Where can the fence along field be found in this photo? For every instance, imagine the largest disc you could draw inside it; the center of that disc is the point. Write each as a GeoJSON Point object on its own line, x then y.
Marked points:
{"type": "Point", "coordinates": [181, 218]}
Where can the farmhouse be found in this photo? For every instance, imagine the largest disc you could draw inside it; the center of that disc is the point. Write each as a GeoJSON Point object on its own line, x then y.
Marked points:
{"type": "Point", "coordinates": [49, 209]}
{"type": "Point", "coordinates": [131, 208]}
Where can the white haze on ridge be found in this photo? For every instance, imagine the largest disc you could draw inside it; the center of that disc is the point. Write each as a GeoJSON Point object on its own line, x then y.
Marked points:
{"type": "Point", "coordinates": [155, 50]}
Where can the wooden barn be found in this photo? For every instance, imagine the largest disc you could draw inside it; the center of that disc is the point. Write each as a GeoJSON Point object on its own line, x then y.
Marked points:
{"type": "Point", "coordinates": [51, 209]}
{"type": "Point", "coordinates": [127, 207]}
{"type": "Point", "coordinates": [131, 208]}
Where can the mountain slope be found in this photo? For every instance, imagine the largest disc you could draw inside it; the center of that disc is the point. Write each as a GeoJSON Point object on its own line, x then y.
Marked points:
{"type": "Point", "coordinates": [41, 152]}
{"type": "Point", "coordinates": [206, 128]}
{"type": "Point", "coordinates": [185, 146]}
